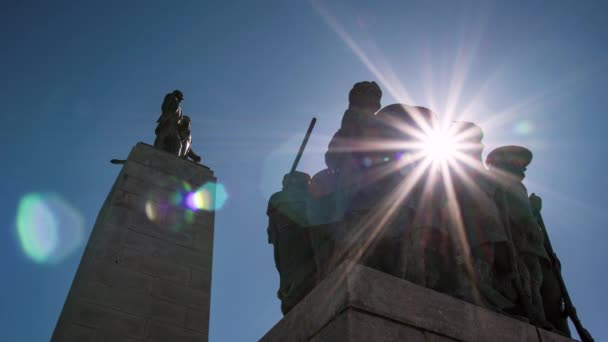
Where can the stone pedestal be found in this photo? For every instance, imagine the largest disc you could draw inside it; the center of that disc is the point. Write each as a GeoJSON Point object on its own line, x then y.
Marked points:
{"type": "Point", "coordinates": [357, 303]}
{"type": "Point", "coordinates": [146, 271]}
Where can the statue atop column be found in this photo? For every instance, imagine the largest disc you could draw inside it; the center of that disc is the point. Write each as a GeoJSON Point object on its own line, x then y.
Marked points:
{"type": "Point", "coordinates": [167, 135]}
{"type": "Point", "coordinates": [173, 128]}
{"type": "Point", "coordinates": [186, 140]}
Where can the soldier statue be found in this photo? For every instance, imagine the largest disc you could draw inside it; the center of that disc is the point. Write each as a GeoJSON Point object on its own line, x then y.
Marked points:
{"type": "Point", "coordinates": [363, 102]}
{"type": "Point", "coordinates": [287, 232]}
{"type": "Point", "coordinates": [508, 165]}
{"type": "Point", "coordinates": [480, 221]}
{"type": "Point", "coordinates": [335, 185]}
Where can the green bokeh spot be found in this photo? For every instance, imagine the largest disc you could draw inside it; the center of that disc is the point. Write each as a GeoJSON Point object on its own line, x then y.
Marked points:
{"type": "Point", "coordinates": [36, 228]}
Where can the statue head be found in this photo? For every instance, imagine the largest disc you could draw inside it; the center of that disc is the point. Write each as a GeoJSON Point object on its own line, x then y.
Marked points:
{"type": "Point", "coordinates": [512, 160]}
{"type": "Point", "coordinates": [296, 181]}
{"type": "Point", "coordinates": [365, 96]}
{"type": "Point", "coordinates": [171, 104]}
{"type": "Point", "coordinates": [469, 137]}
{"type": "Point", "coordinates": [178, 95]}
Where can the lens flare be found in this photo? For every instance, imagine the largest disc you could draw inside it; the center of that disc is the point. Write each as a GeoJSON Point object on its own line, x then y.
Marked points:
{"type": "Point", "coordinates": [151, 211]}
{"type": "Point", "coordinates": [176, 198]}
{"type": "Point", "coordinates": [439, 146]}
{"type": "Point", "coordinates": [211, 196]}
{"type": "Point", "coordinates": [199, 200]}
{"type": "Point", "coordinates": [174, 210]}
{"type": "Point", "coordinates": [48, 228]}
{"type": "Point", "coordinates": [221, 196]}
{"type": "Point", "coordinates": [524, 127]}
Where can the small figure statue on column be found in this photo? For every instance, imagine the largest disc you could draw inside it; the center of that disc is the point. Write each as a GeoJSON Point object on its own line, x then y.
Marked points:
{"type": "Point", "coordinates": [173, 128]}
{"type": "Point", "coordinates": [167, 135]}
{"type": "Point", "coordinates": [186, 140]}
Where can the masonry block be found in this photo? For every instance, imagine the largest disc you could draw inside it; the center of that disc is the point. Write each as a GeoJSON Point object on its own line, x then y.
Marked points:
{"type": "Point", "coordinates": [357, 303]}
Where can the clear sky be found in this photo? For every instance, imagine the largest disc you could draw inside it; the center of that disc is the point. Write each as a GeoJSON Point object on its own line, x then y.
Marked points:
{"type": "Point", "coordinates": [83, 82]}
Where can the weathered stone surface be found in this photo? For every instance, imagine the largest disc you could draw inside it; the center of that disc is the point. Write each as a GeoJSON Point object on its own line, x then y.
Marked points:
{"type": "Point", "coordinates": [201, 280]}
{"type": "Point", "coordinates": [322, 304]}
{"type": "Point", "coordinates": [110, 337]}
{"type": "Point", "coordinates": [196, 320]}
{"type": "Point", "coordinates": [92, 315]}
{"type": "Point", "coordinates": [386, 298]}
{"type": "Point", "coordinates": [145, 273]}
{"type": "Point", "coordinates": [203, 239]}
{"type": "Point", "coordinates": [132, 302]}
{"type": "Point", "coordinates": [430, 337]}
{"type": "Point", "coordinates": [155, 266]}
{"type": "Point", "coordinates": [161, 333]}
{"type": "Point", "coordinates": [113, 275]}
{"type": "Point", "coordinates": [137, 179]}
{"type": "Point", "coordinates": [78, 333]}
{"type": "Point", "coordinates": [169, 252]}
{"type": "Point", "coordinates": [547, 336]}
{"type": "Point", "coordinates": [356, 326]}
{"type": "Point", "coordinates": [162, 161]}
{"type": "Point", "coordinates": [181, 295]}
{"type": "Point", "coordinates": [167, 312]}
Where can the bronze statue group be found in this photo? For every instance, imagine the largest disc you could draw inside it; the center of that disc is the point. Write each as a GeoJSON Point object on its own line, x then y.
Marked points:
{"type": "Point", "coordinates": [469, 230]}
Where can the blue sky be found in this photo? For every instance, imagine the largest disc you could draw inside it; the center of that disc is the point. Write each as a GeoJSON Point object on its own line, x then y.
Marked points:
{"type": "Point", "coordinates": [83, 82]}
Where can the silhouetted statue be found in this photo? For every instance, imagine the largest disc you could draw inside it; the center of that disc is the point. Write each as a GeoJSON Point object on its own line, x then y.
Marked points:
{"type": "Point", "coordinates": [167, 135]}
{"type": "Point", "coordinates": [363, 102]}
{"type": "Point", "coordinates": [289, 235]}
{"type": "Point", "coordinates": [553, 290]}
{"type": "Point", "coordinates": [461, 229]}
{"type": "Point", "coordinates": [293, 253]}
{"type": "Point", "coordinates": [186, 140]}
{"type": "Point", "coordinates": [508, 165]}
{"type": "Point", "coordinates": [335, 185]}
{"type": "Point", "coordinates": [397, 186]}
{"type": "Point", "coordinates": [479, 221]}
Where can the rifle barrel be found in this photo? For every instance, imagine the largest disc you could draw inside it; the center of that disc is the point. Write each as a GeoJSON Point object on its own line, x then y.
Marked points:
{"type": "Point", "coordinates": [569, 306]}
{"type": "Point", "coordinates": [303, 145]}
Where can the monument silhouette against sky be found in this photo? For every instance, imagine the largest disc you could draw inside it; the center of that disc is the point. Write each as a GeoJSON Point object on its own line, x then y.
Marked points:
{"type": "Point", "coordinates": [397, 240]}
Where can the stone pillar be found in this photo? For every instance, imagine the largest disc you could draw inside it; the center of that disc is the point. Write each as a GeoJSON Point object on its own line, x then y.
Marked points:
{"type": "Point", "coordinates": [359, 304]}
{"type": "Point", "coordinates": [146, 271]}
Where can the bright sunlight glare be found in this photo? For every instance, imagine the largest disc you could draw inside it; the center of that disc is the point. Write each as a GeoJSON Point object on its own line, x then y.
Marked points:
{"type": "Point", "coordinates": [439, 146]}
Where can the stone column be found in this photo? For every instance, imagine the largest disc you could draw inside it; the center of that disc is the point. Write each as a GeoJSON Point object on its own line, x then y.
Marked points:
{"type": "Point", "coordinates": [146, 271]}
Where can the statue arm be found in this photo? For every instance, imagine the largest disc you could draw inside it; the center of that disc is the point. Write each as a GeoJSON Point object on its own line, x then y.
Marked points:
{"type": "Point", "coordinates": [193, 156]}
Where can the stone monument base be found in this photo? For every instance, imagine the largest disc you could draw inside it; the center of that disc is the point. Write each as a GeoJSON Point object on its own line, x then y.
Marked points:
{"type": "Point", "coordinates": [357, 303]}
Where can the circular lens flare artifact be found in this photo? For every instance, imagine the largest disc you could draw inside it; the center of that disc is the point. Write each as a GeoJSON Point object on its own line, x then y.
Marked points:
{"type": "Point", "coordinates": [211, 196]}
{"type": "Point", "coordinates": [48, 228]}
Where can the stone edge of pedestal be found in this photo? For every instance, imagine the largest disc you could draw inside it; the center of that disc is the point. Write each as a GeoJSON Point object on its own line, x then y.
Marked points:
{"type": "Point", "coordinates": [356, 288]}
{"type": "Point", "coordinates": [165, 162]}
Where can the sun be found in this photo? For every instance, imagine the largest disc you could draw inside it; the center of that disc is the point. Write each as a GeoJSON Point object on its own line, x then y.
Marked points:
{"type": "Point", "coordinates": [439, 146]}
